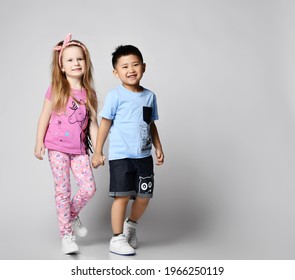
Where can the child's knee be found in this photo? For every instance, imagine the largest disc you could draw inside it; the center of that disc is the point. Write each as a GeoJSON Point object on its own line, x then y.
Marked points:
{"type": "Point", "coordinates": [142, 200]}
{"type": "Point", "coordinates": [90, 190]}
{"type": "Point", "coordinates": [93, 190]}
{"type": "Point", "coordinates": [122, 199]}
{"type": "Point", "coordinates": [62, 196]}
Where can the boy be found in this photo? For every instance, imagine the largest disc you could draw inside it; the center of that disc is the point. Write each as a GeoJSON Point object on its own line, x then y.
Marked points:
{"type": "Point", "coordinates": [128, 113]}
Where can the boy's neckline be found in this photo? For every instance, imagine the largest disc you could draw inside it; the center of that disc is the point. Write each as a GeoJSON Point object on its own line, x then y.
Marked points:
{"type": "Point", "coordinates": [140, 87]}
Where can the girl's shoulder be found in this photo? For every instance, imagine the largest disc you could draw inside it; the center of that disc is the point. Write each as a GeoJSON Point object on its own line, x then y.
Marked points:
{"type": "Point", "coordinates": [48, 93]}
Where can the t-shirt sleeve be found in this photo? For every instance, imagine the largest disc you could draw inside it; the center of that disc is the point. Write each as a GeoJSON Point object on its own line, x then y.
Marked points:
{"type": "Point", "coordinates": [155, 115]}
{"type": "Point", "coordinates": [110, 106]}
{"type": "Point", "coordinates": [48, 94]}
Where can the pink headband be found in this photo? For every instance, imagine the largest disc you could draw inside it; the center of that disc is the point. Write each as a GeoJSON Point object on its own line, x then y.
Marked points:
{"type": "Point", "coordinates": [67, 42]}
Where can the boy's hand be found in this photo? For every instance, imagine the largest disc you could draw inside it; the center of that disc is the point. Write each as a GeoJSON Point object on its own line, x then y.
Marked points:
{"type": "Point", "coordinates": [159, 156]}
{"type": "Point", "coordinates": [97, 160]}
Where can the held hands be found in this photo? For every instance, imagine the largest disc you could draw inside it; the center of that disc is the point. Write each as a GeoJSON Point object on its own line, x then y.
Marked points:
{"type": "Point", "coordinates": [97, 160]}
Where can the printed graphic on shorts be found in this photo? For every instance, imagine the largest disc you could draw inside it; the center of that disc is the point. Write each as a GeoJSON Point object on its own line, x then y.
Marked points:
{"type": "Point", "coordinates": [146, 184]}
{"type": "Point", "coordinates": [145, 138]}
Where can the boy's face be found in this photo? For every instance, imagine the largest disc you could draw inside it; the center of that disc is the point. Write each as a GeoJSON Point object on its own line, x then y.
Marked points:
{"type": "Point", "coordinates": [129, 69]}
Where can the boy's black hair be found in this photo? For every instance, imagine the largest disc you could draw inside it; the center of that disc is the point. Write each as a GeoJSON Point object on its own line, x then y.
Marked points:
{"type": "Point", "coordinates": [123, 51]}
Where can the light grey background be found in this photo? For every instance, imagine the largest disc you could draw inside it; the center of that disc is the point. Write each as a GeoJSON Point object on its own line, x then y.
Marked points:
{"type": "Point", "coordinates": [223, 72]}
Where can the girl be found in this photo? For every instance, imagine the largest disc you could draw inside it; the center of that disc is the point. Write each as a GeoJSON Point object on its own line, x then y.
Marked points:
{"type": "Point", "coordinates": [66, 125]}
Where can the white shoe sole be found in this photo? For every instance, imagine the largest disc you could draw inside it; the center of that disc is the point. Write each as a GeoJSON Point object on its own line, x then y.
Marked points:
{"type": "Point", "coordinates": [122, 254]}
{"type": "Point", "coordinates": [70, 251]}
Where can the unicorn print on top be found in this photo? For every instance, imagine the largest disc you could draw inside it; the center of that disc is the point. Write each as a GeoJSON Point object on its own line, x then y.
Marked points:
{"type": "Point", "coordinates": [79, 116]}
{"type": "Point", "coordinates": [67, 132]}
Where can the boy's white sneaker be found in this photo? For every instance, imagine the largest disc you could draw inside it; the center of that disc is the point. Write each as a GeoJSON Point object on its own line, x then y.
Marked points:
{"type": "Point", "coordinates": [119, 245]}
{"type": "Point", "coordinates": [78, 227]}
{"type": "Point", "coordinates": [69, 246]}
{"type": "Point", "coordinates": [129, 231]}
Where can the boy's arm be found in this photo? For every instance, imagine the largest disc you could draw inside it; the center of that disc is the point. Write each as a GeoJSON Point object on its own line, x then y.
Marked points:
{"type": "Point", "coordinates": [44, 118]}
{"type": "Point", "coordinates": [157, 144]}
{"type": "Point", "coordinates": [103, 131]}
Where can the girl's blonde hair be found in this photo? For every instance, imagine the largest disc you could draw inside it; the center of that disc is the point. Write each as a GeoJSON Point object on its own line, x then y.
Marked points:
{"type": "Point", "coordinates": [60, 87]}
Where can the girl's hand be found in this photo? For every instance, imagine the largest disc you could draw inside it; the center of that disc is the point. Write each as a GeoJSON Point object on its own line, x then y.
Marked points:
{"type": "Point", "coordinates": [39, 151]}
{"type": "Point", "coordinates": [159, 156]}
{"type": "Point", "coordinates": [97, 160]}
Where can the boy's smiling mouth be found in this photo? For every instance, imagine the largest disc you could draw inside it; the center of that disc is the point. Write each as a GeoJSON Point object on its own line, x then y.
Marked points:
{"type": "Point", "coordinates": [133, 76]}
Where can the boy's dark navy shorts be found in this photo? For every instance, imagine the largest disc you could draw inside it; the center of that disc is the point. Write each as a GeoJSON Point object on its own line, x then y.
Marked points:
{"type": "Point", "coordinates": [132, 177]}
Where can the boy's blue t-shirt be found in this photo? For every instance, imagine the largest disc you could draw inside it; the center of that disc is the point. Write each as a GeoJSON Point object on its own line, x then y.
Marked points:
{"type": "Point", "coordinates": [132, 113]}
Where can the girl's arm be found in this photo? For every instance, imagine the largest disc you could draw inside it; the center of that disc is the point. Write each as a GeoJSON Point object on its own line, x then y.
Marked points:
{"type": "Point", "coordinates": [157, 144]}
{"type": "Point", "coordinates": [44, 118]}
{"type": "Point", "coordinates": [103, 131]}
{"type": "Point", "coordinates": [93, 130]}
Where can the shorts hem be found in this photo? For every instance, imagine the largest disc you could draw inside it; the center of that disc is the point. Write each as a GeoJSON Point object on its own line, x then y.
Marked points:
{"type": "Point", "coordinates": [121, 194]}
{"type": "Point", "coordinates": [144, 195]}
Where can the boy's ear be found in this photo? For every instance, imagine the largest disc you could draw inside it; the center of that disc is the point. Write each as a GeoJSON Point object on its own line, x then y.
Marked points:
{"type": "Point", "coordinates": [144, 66]}
{"type": "Point", "coordinates": [115, 73]}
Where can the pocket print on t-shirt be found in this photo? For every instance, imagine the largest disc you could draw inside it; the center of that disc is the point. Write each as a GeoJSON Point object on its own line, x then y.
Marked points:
{"type": "Point", "coordinates": [147, 114]}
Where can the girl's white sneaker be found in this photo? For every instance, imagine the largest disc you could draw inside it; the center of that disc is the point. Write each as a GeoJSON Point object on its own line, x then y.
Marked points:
{"type": "Point", "coordinates": [69, 246]}
{"type": "Point", "coordinates": [78, 227]}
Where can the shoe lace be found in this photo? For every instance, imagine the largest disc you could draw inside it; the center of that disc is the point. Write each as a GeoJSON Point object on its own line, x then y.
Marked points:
{"type": "Point", "coordinates": [69, 238]}
{"type": "Point", "coordinates": [77, 222]}
{"type": "Point", "coordinates": [131, 230]}
{"type": "Point", "coordinates": [121, 240]}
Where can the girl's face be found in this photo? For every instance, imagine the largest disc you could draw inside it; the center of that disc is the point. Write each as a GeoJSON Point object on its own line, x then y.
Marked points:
{"type": "Point", "coordinates": [129, 69]}
{"type": "Point", "coordinates": [73, 62]}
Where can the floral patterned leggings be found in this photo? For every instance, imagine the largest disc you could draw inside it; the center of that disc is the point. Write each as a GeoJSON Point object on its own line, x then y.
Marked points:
{"type": "Point", "coordinates": [67, 208]}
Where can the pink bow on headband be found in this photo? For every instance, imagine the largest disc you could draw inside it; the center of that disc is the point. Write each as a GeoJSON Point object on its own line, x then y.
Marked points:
{"type": "Point", "coordinates": [67, 42]}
